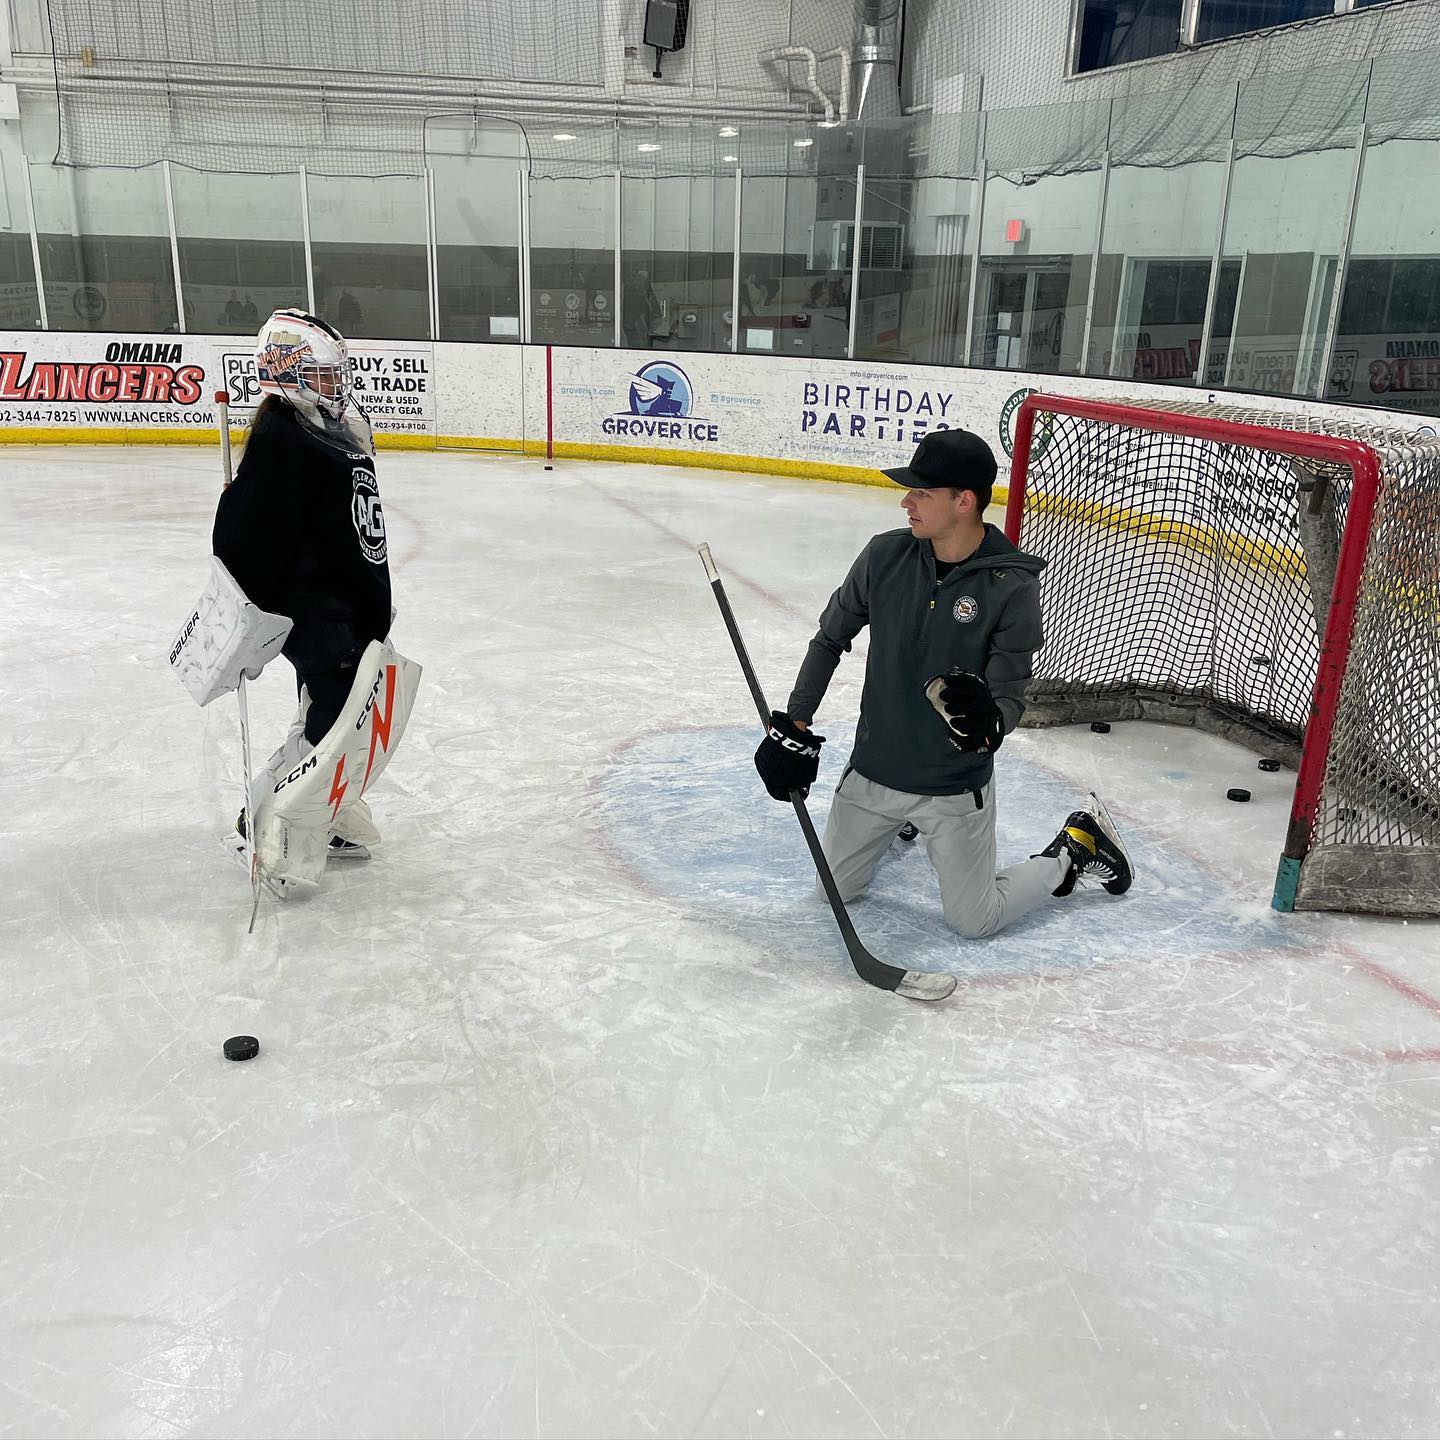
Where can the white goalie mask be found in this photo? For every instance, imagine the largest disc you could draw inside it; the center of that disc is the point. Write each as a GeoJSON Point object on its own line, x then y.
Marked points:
{"type": "Point", "coordinates": [305, 361]}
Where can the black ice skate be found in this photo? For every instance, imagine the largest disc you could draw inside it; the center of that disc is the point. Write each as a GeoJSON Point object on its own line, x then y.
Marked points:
{"type": "Point", "coordinates": [1095, 849]}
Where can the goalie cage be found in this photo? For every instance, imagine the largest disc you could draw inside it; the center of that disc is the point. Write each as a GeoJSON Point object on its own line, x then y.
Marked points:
{"type": "Point", "coordinates": [1271, 578]}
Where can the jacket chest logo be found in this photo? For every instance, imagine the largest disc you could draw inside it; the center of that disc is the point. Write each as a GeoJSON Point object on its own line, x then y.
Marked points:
{"type": "Point", "coordinates": [369, 518]}
{"type": "Point", "coordinates": [966, 608]}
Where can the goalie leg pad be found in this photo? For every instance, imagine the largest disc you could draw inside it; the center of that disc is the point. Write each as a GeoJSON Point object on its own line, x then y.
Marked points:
{"type": "Point", "coordinates": [317, 798]}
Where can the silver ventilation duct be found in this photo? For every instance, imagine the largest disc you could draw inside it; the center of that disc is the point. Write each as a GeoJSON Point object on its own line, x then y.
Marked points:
{"type": "Point", "coordinates": [875, 80]}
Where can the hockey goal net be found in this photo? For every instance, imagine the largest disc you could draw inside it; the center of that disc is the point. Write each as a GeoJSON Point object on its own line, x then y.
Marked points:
{"type": "Point", "coordinates": [1272, 578]}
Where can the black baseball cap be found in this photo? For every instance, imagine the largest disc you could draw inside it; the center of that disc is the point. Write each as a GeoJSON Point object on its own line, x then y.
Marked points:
{"type": "Point", "coordinates": [948, 457]}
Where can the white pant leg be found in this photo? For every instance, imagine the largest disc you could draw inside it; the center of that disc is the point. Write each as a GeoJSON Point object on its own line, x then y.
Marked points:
{"type": "Point", "coordinates": [960, 840]}
{"type": "Point", "coordinates": [864, 819]}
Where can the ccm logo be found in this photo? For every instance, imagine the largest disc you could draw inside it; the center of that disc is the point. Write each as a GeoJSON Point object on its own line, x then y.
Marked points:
{"type": "Point", "coordinates": [294, 775]}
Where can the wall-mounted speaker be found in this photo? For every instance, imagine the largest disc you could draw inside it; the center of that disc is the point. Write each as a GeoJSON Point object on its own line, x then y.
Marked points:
{"type": "Point", "coordinates": [665, 24]}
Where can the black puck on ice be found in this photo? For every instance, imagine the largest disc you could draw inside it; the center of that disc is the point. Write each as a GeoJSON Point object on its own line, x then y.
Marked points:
{"type": "Point", "coordinates": [1268, 764]}
{"type": "Point", "coordinates": [1100, 727]}
{"type": "Point", "coordinates": [1237, 794]}
{"type": "Point", "coordinates": [242, 1047]}
{"type": "Point", "coordinates": [549, 467]}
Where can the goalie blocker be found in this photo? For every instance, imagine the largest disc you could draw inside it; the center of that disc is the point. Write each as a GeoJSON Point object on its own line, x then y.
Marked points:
{"type": "Point", "coordinates": [297, 806]}
{"type": "Point", "coordinates": [226, 639]}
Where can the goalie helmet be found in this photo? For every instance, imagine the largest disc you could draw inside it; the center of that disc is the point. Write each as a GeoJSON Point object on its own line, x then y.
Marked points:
{"type": "Point", "coordinates": [305, 361]}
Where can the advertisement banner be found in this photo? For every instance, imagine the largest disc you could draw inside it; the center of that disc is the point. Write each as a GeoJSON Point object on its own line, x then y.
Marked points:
{"type": "Point", "coordinates": [57, 385]}
{"type": "Point", "coordinates": [832, 419]}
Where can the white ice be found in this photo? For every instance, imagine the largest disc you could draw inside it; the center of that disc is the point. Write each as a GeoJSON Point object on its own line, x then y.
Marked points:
{"type": "Point", "coordinates": [571, 1117]}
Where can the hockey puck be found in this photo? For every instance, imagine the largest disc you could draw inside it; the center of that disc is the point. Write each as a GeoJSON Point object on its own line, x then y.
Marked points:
{"type": "Point", "coordinates": [549, 467]}
{"type": "Point", "coordinates": [1269, 765]}
{"type": "Point", "coordinates": [1237, 794]}
{"type": "Point", "coordinates": [1100, 727]}
{"type": "Point", "coordinates": [242, 1047]}
{"type": "Point", "coordinates": [1262, 662]}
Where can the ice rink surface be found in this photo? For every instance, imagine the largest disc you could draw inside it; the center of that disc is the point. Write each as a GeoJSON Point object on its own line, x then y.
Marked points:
{"type": "Point", "coordinates": [571, 1117]}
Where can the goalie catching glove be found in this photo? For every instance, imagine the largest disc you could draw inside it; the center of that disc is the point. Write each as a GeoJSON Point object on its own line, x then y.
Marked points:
{"type": "Point", "coordinates": [972, 718]}
{"type": "Point", "coordinates": [788, 758]}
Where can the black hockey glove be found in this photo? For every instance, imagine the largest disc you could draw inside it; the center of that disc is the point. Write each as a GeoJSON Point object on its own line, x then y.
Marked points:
{"type": "Point", "coordinates": [788, 758]}
{"type": "Point", "coordinates": [972, 718]}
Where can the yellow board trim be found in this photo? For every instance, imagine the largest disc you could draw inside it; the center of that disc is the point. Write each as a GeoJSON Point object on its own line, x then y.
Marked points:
{"type": "Point", "coordinates": [564, 450]}
{"type": "Point", "coordinates": [1203, 539]}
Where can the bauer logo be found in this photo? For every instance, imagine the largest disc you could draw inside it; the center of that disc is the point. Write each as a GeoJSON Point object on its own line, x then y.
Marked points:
{"type": "Point", "coordinates": [661, 407]}
{"type": "Point", "coordinates": [966, 609]}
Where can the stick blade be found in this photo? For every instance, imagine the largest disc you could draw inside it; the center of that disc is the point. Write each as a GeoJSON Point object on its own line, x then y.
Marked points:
{"type": "Point", "coordinates": [925, 985]}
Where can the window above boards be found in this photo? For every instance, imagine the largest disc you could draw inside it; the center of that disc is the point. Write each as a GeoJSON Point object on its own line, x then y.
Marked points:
{"type": "Point", "coordinates": [1118, 32]}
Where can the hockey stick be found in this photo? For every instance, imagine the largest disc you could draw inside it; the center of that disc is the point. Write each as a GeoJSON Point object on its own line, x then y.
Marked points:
{"type": "Point", "coordinates": [222, 404]}
{"type": "Point", "coordinates": [912, 984]}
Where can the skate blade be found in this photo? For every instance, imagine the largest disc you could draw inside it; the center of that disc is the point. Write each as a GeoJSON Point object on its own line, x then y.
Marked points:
{"type": "Point", "coordinates": [1107, 824]}
{"type": "Point", "coordinates": [353, 851]}
{"type": "Point", "coordinates": [925, 985]}
{"type": "Point", "coordinates": [280, 887]}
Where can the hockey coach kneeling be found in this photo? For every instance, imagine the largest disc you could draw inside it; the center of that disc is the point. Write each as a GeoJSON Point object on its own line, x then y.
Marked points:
{"type": "Point", "coordinates": [954, 615]}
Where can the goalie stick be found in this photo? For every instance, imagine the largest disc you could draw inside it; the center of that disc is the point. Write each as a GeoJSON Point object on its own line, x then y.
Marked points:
{"type": "Point", "coordinates": [222, 406]}
{"type": "Point", "coordinates": [912, 984]}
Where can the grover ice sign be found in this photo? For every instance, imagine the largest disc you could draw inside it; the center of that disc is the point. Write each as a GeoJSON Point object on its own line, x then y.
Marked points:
{"type": "Point", "coordinates": [661, 401]}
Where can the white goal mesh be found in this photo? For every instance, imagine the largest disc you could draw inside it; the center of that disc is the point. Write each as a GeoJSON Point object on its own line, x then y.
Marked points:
{"type": "Point", "coordinates": [1271, 577]}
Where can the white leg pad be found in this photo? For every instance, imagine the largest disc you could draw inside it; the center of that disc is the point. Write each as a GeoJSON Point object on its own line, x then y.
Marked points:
{"type": "Point", "coordinates": [297, 808]}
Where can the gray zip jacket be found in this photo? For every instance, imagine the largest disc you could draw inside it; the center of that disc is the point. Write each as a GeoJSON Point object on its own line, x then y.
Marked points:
{"type": "Point", "coordinates": [984, 617]}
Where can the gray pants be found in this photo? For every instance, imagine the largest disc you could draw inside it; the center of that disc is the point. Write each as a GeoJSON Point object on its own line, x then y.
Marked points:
{"type": "Point", "coordinates": [960, 841]}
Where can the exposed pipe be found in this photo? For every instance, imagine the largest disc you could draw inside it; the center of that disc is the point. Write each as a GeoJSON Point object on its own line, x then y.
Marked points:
{"type": "Point", "coordinates": [877, 85]}
{"type": "Point", "coordinates": [812, 78]}
{"type": "Point", "coordinates": [372, 90]}
{"type": "Point", "coordinates": [842, 54]}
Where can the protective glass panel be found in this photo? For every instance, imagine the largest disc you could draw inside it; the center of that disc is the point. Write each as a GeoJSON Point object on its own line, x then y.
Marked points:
{"type": "Point", "coordinates": [477, 231]}
{"type": "Point", "coordinates": [367, 236]}
{"type": "Point", "coordinates": [19, 300]}
{"type": "Point", "coordinates": [677, 262]}
{"type": "Point", "coordinates": [1154, 276]}
{"type": "Point", "coordinates": [917, 240]}
{"type": "Point", "coordinates": [795, 268]}
{"type": "Point", "coordinates": [105, 249]}
{"type": "Point", "coordinates": [1284, 227]}
{"type": "Point", "coordinates": [572, 260]}
{"type": "Point", "coordinates": [242, 247]}
{"type": "Point", "coordinates": [1387, 345]}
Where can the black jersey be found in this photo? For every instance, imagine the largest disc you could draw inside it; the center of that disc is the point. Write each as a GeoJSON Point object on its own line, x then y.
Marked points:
{"type": "Point", "coordinates": [302, 532]}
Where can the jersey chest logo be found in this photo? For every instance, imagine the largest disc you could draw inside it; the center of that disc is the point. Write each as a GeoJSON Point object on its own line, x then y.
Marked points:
{"type": "Point", "coordinates": [967, 607]}
{"type": "Point", "coordinates": [369, 519]}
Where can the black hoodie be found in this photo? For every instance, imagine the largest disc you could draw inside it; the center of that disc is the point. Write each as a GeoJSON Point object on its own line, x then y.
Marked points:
{"type": "Point", "coordinates": [984, 617]}
{"type": "Point", "coordinates": [302, 532]}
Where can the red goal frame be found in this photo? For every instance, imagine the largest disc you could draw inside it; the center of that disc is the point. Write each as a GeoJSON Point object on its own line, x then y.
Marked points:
{"type": "Point", "coordinates": [1365, 469]}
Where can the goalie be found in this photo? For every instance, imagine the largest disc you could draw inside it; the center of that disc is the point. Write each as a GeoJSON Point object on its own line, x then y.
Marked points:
{"type": "Point", "coordinates": [302, 533]}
